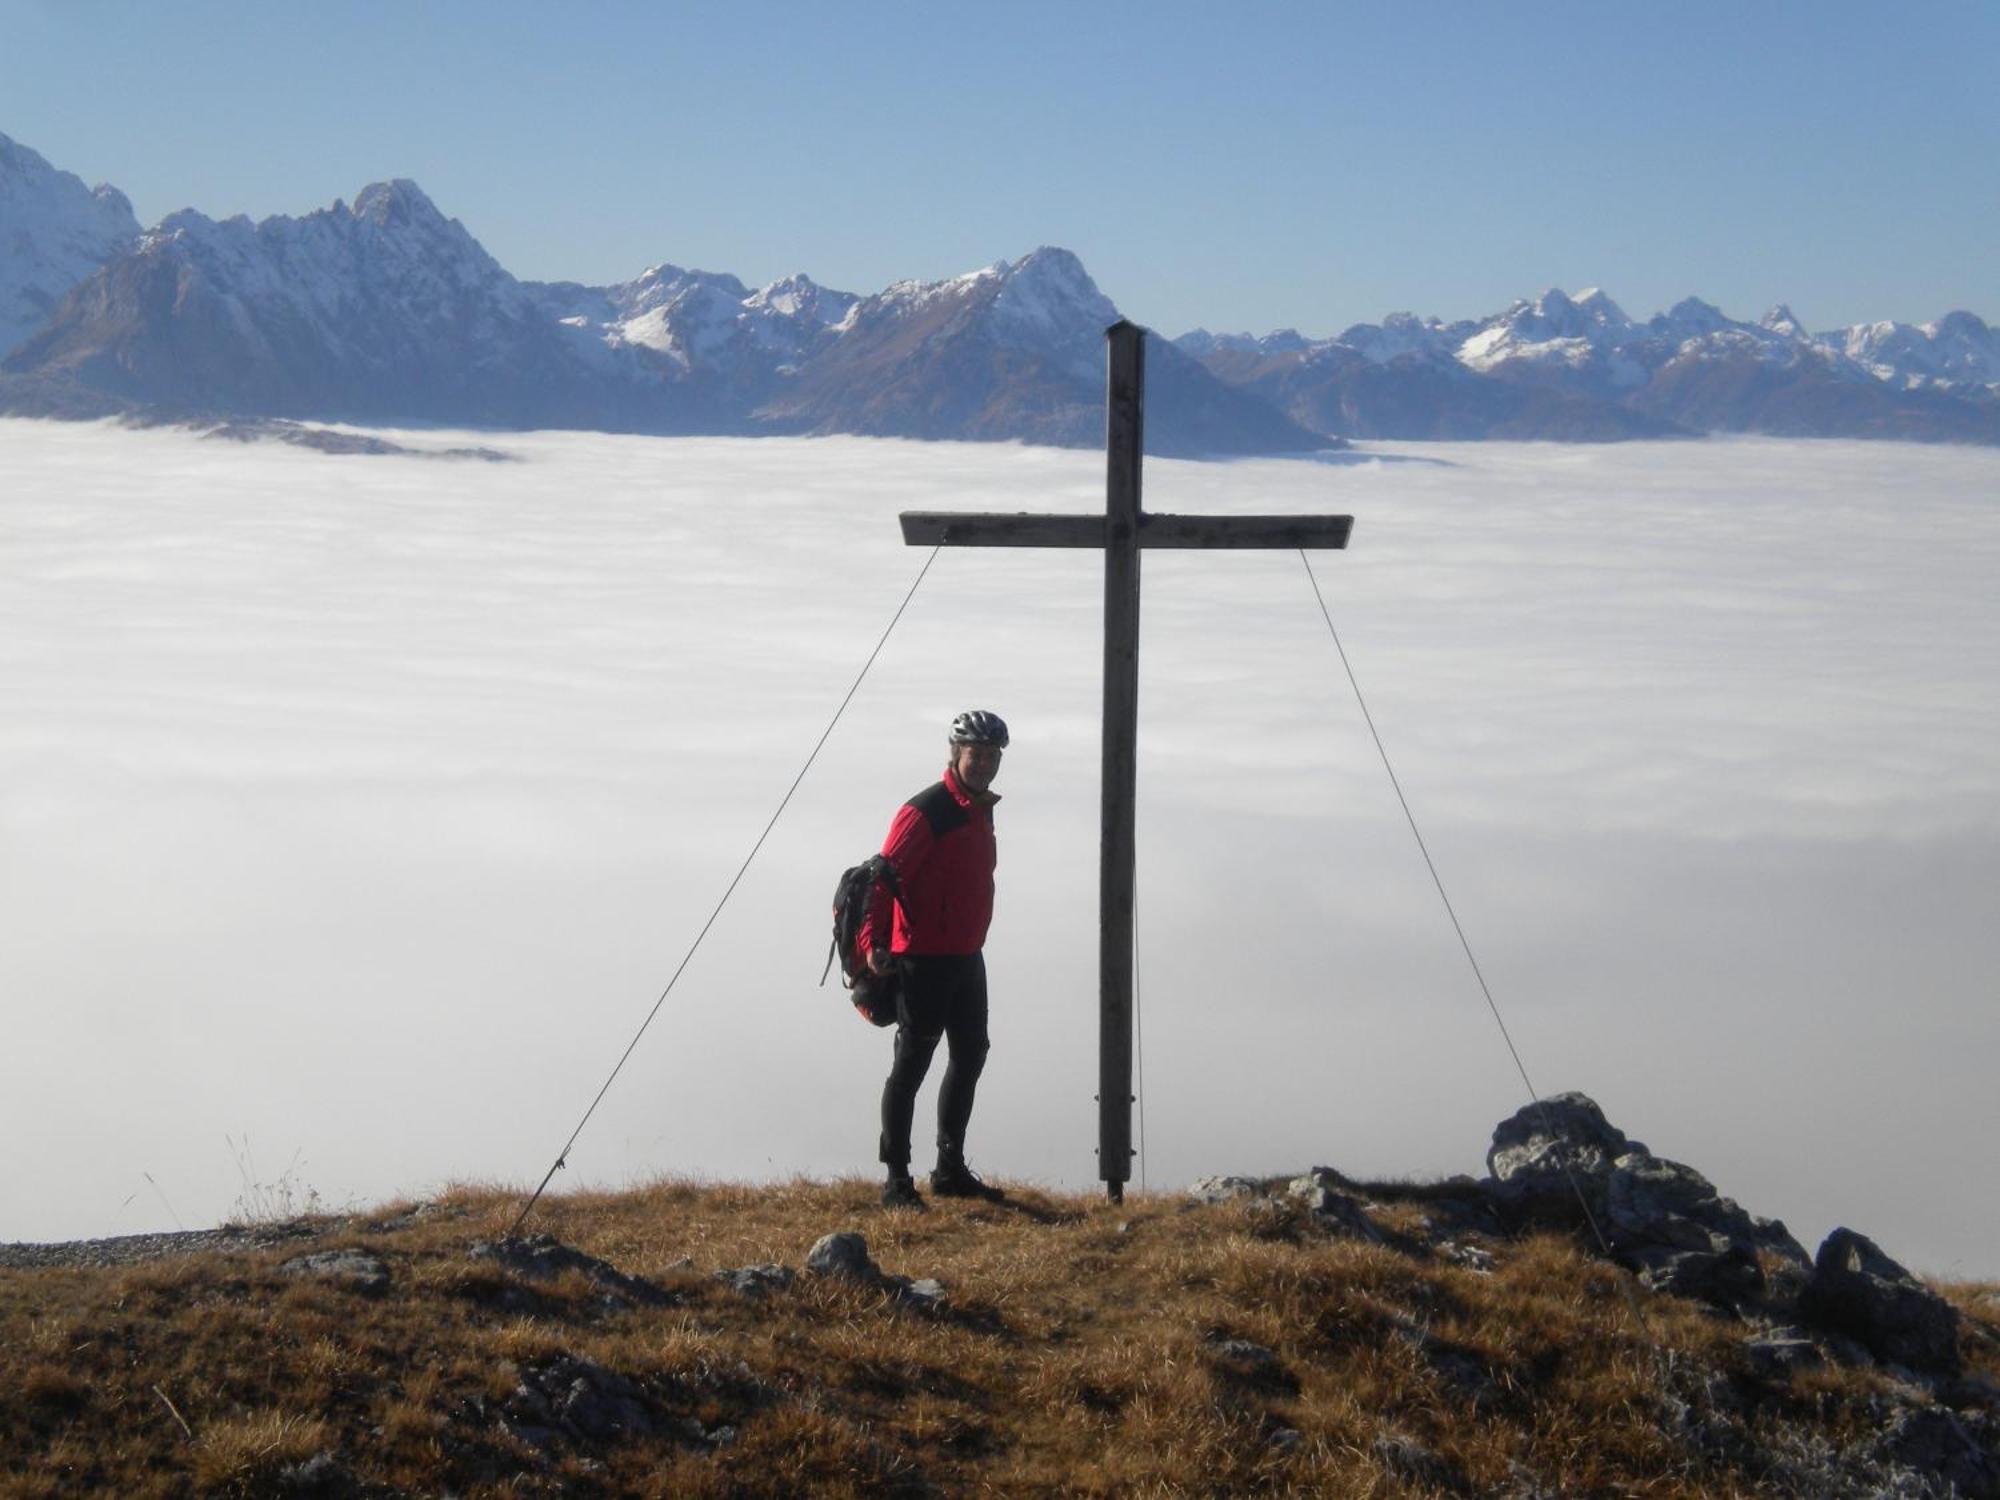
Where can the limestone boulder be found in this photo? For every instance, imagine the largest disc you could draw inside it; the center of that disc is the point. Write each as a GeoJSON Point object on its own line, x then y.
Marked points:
{"type": "Point", "coordinates": [1341, 1213]}
{"type": "Point", "coordinates": [543, 1258]}
{"type": "Point", "coordinates": [1547, 1153]}
{"type": "Point", "coordinates": [1223, 1189]}
{"type": "Point", "coordinates": [1857, 1290]}
{"type": "Point", "coordinates": [1560, 1156]}
{"type": "Point", "coordinates": [356, 1270]}
{"type": "Point", "coordinates": [845, 1255]}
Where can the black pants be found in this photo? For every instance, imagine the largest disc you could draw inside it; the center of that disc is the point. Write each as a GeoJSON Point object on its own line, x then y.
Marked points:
{"type": "Point", "coordinates": [944, 995]}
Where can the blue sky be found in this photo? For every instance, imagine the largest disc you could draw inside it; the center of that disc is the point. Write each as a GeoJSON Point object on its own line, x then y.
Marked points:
{"type": "Point", "coordinates": [1239, 167]}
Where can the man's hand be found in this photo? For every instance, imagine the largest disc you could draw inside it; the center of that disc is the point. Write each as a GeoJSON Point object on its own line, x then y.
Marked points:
{"type": "Point", "coordinates": [880, 961]}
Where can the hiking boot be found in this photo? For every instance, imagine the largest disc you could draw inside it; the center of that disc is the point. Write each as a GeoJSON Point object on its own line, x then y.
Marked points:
{"type": "Point", "coordinates": [954, 1179]}
{"type": "Point", "coordinates": [900, 1192]}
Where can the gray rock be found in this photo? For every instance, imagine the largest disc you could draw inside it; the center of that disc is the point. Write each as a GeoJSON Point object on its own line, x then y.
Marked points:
{"type": "Point", "coordinates": [1472, 1257]}
{"type": "Point", "coordinates": [758, 1280]}
{"type": "Point", "coordinates": [1223, 1189]}
{"type": "Point", "coordinates": [1286, 1440]}
{"type": "Point", "coordinates": [1341, 1213]}
{"type": "Point", "coordinates": [409, 1220]}
{"type": "Point", "coordinates": [1660, 1202]}
{"type": "Point", "coordinates": [1780, 1350]}
{"type": "Point", "coordinates": [1959, 1452]}
{"type": "Point", "coordinates": [1722, 1275]}
{"type": "Point", "coordinates": [1662, 1218]}
{"type": "Point", "coordinates": [1651, 1200]}
{"type": "Point", "coordinates": [1859, 1291]}
{"type": "Point", "coordinates": [925, 1295]}
{"type": "Point", "coordinates": [1545, 1152]}
{"type": "Point", "coordinates": [543, 1258]}
{"type": "Point", "coordinates": [1460, 1367]}
{"type": "Point", "coordinates": [319, 1475]}
{"type": "Point", "coordinates": [1466, 1210]}
{"type": "Point", "coordinates": [844, 1254]}
{"type": "Point", "coordinates": [356, 1270]}
{"type": "Point", "coordinates": [1251, 1363]}
{"type": "Point", "coordinates": [580, 1398]}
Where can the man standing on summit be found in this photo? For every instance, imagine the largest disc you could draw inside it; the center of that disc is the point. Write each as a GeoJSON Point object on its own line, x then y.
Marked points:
{"type": "Point", "coordinates": [942, 853]}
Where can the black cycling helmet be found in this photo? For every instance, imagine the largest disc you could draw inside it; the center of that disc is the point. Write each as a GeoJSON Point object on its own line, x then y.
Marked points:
{"type": "Point", "coordinates": [978, 727]}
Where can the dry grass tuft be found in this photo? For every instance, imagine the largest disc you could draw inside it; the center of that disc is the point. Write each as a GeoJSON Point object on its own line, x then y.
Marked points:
{"type": "Point", "coordinates": [245, 1455]}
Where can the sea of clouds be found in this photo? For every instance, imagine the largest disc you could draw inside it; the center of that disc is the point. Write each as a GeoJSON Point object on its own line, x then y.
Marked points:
{"type": "Point", "coordinates": [355, 810]}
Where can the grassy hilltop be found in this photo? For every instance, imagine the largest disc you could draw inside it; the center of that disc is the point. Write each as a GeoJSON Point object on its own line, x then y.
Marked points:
{"type": "Point", "coordinates": [1070, 1346]}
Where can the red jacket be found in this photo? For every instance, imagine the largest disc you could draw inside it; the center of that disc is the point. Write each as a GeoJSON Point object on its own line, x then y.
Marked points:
{"type": "Point", "coordinates": [942, 848]}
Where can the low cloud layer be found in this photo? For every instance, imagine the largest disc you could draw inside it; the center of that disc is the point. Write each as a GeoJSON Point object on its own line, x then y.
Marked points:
{"type": "Point", "coordinates": [358, 808]}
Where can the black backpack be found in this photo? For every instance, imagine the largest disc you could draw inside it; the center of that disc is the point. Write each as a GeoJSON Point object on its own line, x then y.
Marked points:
{"type": "Point", "coordinates": [874, 995]}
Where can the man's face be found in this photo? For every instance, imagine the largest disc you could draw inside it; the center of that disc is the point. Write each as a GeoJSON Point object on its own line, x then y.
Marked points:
{"type": "Point", "coordinates": [976, 765]}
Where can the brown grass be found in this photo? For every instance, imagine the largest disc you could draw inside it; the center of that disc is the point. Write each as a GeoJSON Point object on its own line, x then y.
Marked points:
{"type": "Point", "coordinates": [1081, 1353]}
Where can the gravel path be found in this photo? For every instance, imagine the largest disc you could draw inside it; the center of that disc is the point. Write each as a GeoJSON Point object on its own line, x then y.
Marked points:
{"type": "Point", "coordinates": [130, 1249]}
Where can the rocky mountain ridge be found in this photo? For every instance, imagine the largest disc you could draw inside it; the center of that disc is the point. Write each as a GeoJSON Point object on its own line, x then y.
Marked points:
{"type": "Point", "coordinates": [389, 312]}
{"type": "Point", "coordinates": [1580, 368]}
{"type": "Point", "coordinates": [54, 232]}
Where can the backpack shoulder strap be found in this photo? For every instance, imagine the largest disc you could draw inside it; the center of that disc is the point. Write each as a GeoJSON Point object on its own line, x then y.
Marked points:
{"type": "Point", "coordinates": [940, 809]}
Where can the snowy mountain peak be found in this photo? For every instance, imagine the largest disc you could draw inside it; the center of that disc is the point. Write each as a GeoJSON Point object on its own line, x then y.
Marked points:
{"type": "Point", "coordinates": [1553, 330]}
{"type": "Point", "coordinates": [54, 232]}
{"type": "Point", "coordinates": [1691, 317]}
{"type": "Point", "coordinates": [114, 202]}
{"type": "Point", "coordinates": [1400, 335]}
{"type": "Point", "coordinates": [395, 202]}
{"type": "Point", "coordinates": [1573, 317]}
{"type": "Point", "coordinates": [790, 291]}
{"type": "Point", "coordinates": [1200, 343]}
{"type": "Point", "coordinates": [1779, 320]}
{"type": "Point", "coordinates": [1048, 293]}
{"type": "Point", "coordinates": [1960, 325]}
{"type": "Point", "coordinates": [1958, 349]}
{"type": "Point", "coordinates": [1053, 263]}
{"type": "Point", "coordinates": [799, 296]}
{"type": "Point", "coordinates": [1599, 308]}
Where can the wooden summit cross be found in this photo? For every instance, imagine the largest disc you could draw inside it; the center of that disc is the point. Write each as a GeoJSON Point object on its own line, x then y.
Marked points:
{"type": "Point", "coordinates": [1122, 531]}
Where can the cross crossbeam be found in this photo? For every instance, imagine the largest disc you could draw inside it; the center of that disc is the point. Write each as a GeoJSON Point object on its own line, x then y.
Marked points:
{"type": "Point", "coordinates": [1122, 531]}
{"type": "Point", "coordinates": [930, 528]}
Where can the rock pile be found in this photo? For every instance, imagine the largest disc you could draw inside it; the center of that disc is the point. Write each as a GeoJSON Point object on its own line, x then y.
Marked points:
{"type": "Point", "coordinates": [841, 1256]}
{"type": "Point", "coordinates": [356, 1270]}
{"type": "Point", "coordinates": [541, 1257]}
{"type": "Point", "coordinates": [567, 1396]}
{"type": "Point", "coordinates": [1857, 1290]}
{"type": "Point", "coordinates": [1558, 1158]}
{"type": "Point", "coordinates": [1560, 1163]}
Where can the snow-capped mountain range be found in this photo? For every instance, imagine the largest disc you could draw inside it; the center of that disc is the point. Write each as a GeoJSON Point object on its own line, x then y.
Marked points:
{"type": "Point", "coordinates": [1579, 367]}
{"type": "Point", "coordinates": [387, 311]}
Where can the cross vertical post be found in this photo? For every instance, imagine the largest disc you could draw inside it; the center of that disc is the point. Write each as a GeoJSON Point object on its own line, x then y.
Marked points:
{"type": "Point", "coordinates": [1124, 445]}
